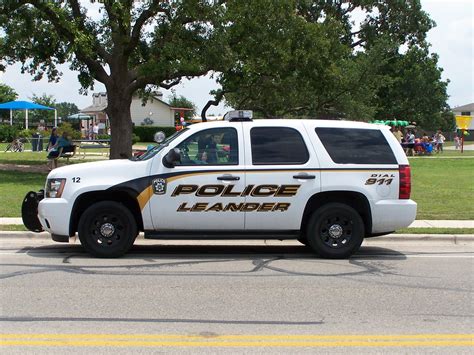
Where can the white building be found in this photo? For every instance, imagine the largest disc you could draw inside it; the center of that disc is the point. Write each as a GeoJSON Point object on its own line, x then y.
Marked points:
{"type": "Point", "coordinates": [155, 112]}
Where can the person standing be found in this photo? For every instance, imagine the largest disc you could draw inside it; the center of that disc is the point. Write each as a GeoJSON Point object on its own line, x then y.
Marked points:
{"type": "Point", "coordinates": [95, 131]}
{"type": "Point", "coordinates": [52, 139]}
{"type": "Point", "coordinates": [439, 138]}
{"type": "Point", "coordinates": [398, 134]}
{"type": "Point", "coordinates": [457, 142]}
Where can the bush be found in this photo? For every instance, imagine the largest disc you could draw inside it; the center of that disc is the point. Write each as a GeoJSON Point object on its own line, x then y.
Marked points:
{"type": "Point", "coordinates": [135, 138]}
{"type": "Point", "coordinates": [71, 132]}
{"type": "Point", "coordinates": [103, 136]}
{"type": "Point", "coordinates": [146, 133]}
{"type": "Point", "coordinates": [26, 133]}
{"type": "Point", "coordinates": [8, 133]}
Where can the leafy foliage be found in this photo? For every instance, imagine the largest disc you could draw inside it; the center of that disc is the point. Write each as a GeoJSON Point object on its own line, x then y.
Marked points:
{"type": "Point", "coordinates": [7, 93]}
{"type": "Point", "coordinates": [305, 58]}
{"type": "Point", "coordinates": [66, 109]}
{"type": "Point", "coordinates": [35, 116]}
{"type": "Point", "coordinates": [182, 102]}
{"type": "Point", "coordinates": [130, 46]}
{"type": "Point", "coordinates": [8, 133]}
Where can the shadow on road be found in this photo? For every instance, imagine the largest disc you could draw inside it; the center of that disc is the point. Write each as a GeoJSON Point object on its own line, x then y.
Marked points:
{"type": "Point", "coordinates": [240, 252]}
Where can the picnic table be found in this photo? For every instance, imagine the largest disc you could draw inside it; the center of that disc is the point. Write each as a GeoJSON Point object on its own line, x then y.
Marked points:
{"type": "Point", "coordinates": [86, 145]}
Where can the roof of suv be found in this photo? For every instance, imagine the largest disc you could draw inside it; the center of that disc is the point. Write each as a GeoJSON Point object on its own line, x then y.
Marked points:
{"type": "Point", "coordinates": [289, 123]}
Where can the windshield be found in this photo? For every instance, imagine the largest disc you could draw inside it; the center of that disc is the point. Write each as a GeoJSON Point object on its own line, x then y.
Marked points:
{"type": "Point", "coordinates": [152, 152]}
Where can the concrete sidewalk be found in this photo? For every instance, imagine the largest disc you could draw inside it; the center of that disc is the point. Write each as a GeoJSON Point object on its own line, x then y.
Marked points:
{"type": "Point", "coordinates": [416, 224]}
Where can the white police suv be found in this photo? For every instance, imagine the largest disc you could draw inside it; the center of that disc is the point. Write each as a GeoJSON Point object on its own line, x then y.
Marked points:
{"type": "Point", "coordinates": [329, 184]}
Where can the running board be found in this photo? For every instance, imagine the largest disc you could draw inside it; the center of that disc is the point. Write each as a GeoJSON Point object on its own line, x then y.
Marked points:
{"type": "Point", "coordinates": [221, 234]}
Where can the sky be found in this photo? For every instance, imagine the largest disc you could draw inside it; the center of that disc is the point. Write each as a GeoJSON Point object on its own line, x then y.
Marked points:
{"type": "Point", "coordinates": [452, 39]}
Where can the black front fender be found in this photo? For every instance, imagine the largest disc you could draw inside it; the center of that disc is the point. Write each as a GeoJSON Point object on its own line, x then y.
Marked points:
{"type": "Point", "coordinates": [29, 211]}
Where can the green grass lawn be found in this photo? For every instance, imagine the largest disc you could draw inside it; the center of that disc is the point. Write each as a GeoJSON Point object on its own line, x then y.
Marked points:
{"type": "Point", "coordinates": [443, 188]}
{"type": "Point", "coordinates": [14, 186]}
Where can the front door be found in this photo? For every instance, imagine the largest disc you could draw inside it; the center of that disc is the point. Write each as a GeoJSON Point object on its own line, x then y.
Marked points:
{"type": "Point", "coordinates": [202, 192]}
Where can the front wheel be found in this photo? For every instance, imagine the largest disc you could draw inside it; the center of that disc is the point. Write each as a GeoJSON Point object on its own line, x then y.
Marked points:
{"type": "Point", "coordinates": [335, 231]}
{"type": "Point", "coordinates": [107, 229]}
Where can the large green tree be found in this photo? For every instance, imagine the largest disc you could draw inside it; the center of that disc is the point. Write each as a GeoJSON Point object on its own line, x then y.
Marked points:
{"type": "Point", "coordinates": [66, 109]}
{"type": "Point", "coordinates": [129, 46]}
{"type": "Point", "coordinates": [319, 58]}
{"type": "Point", "coordinates": [47, 115]}
{"type": "Point", "coordinates": [7, 94]}
{"type": "Point", "coordinates": [413, 89]}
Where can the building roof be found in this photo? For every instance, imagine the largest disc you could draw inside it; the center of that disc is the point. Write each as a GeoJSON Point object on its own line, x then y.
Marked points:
{"type": "Point", "coordinates": [102, 107]}
{"type": "Point", "coordinates": [94, 108]}
{"type": "Point", "coordinates": [465, 108]}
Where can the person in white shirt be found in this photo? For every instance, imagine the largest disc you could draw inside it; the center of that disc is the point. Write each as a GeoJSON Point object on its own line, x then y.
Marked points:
{"type": "Point", "coordinates": [95, 131]}
{"type": "Point", "coordinates": [439, 139]}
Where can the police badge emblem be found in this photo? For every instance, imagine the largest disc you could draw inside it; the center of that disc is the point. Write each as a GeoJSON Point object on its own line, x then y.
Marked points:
{"type": "Point", "coordinates": [159, 186]}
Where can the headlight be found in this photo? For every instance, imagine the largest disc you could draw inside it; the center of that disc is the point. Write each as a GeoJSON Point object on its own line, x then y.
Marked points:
{"type": "Point", "coordinates": [55, 187]}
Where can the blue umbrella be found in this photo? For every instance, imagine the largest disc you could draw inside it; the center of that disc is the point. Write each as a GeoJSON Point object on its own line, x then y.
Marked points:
{"type": "Point", "coordinates": [26, 105]}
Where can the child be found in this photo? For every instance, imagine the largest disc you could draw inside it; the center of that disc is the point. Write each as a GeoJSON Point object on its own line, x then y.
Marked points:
{"type": "Point", "coordinates": [457, 142]}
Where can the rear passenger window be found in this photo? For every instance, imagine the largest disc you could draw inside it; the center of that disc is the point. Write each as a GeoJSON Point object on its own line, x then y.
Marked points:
{"type": "Point", "coordinates": [356, 146]}
{"type": "Point", "coordinates": [277, 145]}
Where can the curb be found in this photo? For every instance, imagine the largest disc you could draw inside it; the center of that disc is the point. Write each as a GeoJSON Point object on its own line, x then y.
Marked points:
{"type": "Point", "coordinates": [451, 238]}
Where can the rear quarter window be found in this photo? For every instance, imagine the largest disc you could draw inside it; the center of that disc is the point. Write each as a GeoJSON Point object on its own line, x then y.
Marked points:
{"type": "Point", "coordinates": [356, 146]}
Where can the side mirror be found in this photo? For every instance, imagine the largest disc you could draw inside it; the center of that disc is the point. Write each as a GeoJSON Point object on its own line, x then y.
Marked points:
{"type": "Point", "coordinates": [159, 137]}
{"type": "Point", "coordinates": [172, 158]}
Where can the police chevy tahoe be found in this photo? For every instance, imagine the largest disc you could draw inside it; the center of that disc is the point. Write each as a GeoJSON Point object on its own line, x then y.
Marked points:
{"type": "Point", "coordinates": [329, 184]}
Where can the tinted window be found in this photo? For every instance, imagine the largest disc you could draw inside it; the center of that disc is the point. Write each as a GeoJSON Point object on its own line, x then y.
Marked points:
{"type": "Point", "coordinates": [215, 146]}
{"type": "Point", "coordinates": [277, 145]}
{"type": "Point", "coordinates": [356, 146]}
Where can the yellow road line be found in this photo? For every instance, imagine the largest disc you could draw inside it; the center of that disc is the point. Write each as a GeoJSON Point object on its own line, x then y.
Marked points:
{"type": "Point", "coordinates": [112, 343]}
{"type": "Point", "coordinates": [269, 340]}
{"type": "Point", "coordinates": [232, 336]}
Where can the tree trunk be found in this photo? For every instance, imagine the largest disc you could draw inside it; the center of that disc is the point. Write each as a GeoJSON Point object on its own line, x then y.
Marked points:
{"type": "Point", "coordinates": [118, 110]}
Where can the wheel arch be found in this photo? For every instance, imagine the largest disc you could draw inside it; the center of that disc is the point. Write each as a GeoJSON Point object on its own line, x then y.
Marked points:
{"type": "Point", "coordinates": [123, 196]}
{"type": "Point", "coordinates": [354, 199]}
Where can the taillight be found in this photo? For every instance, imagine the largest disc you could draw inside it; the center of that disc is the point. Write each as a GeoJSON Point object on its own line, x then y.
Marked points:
{"type": "Point", "coordinates": [405, 182]}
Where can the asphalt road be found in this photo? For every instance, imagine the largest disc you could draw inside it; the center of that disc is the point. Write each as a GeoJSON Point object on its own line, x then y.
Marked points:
{"type": "Point", "coordinates": [236, 297]}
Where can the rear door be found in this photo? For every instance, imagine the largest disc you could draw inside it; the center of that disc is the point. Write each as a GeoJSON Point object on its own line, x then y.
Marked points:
{"type": "Point", "coordinates": [283, 171]}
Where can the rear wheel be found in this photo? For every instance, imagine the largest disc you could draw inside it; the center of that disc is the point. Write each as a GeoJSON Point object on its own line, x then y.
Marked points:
{"type": "Point", "coordinates": [335, 231]}
{"type": "Point", "coordinates": [107, 229]}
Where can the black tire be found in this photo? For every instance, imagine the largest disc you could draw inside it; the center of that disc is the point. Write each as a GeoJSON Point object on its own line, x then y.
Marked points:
{"type": "Point", "coordinates": [335, 231]}
{"type": "Point", "coordinates": [107, 229]}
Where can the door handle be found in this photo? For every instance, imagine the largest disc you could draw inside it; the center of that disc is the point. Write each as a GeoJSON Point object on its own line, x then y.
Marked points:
{"type": "Point", "coordinates": [304, 177]}
{"type": "Point", "coordinates": [228, 177]}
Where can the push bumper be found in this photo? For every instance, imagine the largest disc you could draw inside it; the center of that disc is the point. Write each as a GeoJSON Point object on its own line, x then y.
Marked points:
{"type": "Point", "coordinates": [29, 211]}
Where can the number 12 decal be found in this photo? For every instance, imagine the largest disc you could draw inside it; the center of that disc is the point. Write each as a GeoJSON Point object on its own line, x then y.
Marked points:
{"type": "Point", "coordinates": [76, 179]}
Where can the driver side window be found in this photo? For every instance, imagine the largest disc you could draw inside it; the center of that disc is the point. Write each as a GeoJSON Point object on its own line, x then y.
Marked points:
{"type": "Point", "coordinates": [215, 146]}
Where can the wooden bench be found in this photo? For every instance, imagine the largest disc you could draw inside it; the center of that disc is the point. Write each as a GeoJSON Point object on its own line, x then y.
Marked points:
{"type": "Point", "coordinates": [69, 154]}
{"type": "Point", "coordinates": [61, 154]}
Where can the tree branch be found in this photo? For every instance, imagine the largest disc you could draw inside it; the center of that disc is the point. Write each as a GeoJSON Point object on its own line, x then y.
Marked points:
{"type": "Point", "coordinates": [76, 13]}
{"type": "Point", "coordinates": [215, 102]}
{"type": "Point", "coordinates": [140, 22]}
{"type": "Point", "coordinates": [94, 66]}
